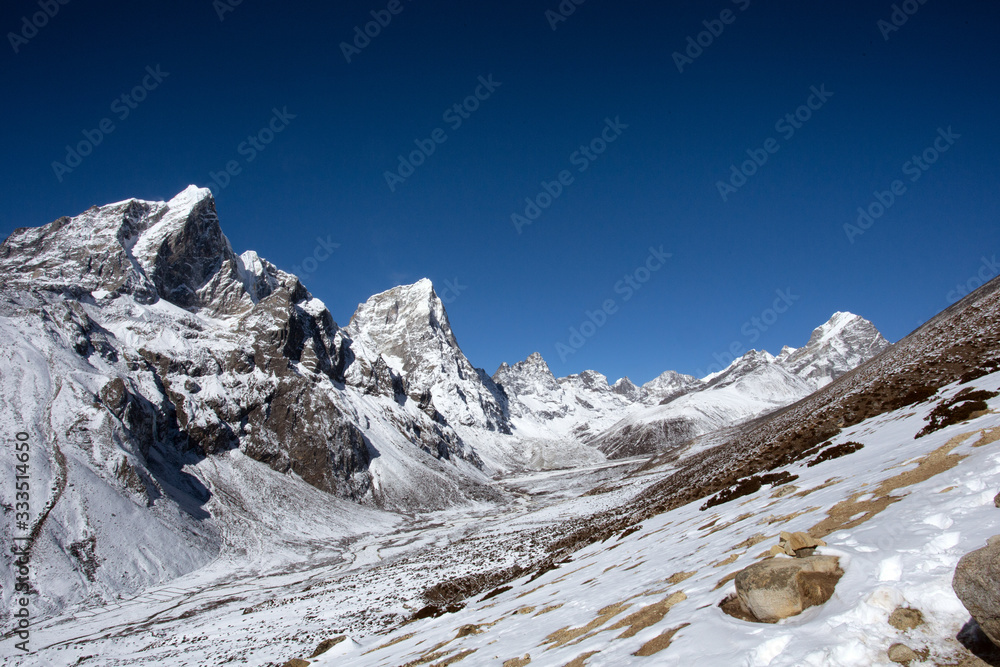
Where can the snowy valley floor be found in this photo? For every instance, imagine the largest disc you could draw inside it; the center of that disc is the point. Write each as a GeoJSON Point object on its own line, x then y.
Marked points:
{"type": "Point", "coordinates": [899, 513]}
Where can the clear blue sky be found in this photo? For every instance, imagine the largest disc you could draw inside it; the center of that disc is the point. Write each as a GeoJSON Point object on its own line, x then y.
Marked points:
{"type": "Point", "coordinates": [655, 185]}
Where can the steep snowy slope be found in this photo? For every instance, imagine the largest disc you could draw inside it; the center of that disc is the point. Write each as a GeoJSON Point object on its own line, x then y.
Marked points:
{"type": "Point", "coordinates": [898, 513]}
{"type": "Point", "coordinates": [644, 581]}
{"type": "Point", "coordinates": [177, 395]}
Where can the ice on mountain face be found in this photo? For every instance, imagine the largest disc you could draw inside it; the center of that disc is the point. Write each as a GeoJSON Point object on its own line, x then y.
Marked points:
{"type": "Point", "coordinates": [625, 387]}
{"type": "Point", "coordinates": [172, 250]}
{"type": "Point", "coordinates": [531, 376]}
{"type": "Point", "coordinates": [626, 420]}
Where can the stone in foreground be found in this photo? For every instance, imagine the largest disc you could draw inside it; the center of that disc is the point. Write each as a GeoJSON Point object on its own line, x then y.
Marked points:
{"type": "Point", "coordinates": [778, 588]}
{"type": "Point", "coordinates": [977, 585]}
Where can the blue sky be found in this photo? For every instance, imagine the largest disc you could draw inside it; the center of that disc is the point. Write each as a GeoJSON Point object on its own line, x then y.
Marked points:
{"type": "Point", "coordinates": [598, 102]}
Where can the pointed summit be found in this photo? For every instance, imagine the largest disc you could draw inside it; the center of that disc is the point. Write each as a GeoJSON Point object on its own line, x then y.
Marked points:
{"type": "Point", "coordinates": [840, 344]}
{"type": "Point", "coordinates": [628, 389]}
{"type": "Point", "coordinates": [669, 384]}
{"type": "Point", "coordinates": [408, 325]}
{"type": "Point", "coordinates": [531, 376]}
{"type": "Point", "coordinates": [146, 249]}
{"type": "Point", "coordinates": [184, 247]}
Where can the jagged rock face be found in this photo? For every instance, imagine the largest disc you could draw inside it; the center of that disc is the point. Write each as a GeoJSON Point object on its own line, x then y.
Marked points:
{"type": "Point", "coordinates": [536, 390]}
{"type": "Point", "coordinates": [531, 376]}
{"type": "Point", "coordinates": [409, 328]}
{"type": "Point", "coordinates": [589, 381]}
{"type": "Point", "coordinates": [564, 409]}
{"type": "Point", "coordinates": [153, 366]}
{"type": "Point", "coordinates": [184, 249]}
{"type": "Point", "coordinates": [85, 253]}
{"type": "Point", "coordinates": [172, 250]}
{"type": "Point", "coordinates": [840, 345]}
{"type": "Point", "coordinates": [628, 389]}
{"type": "Point", "coordinates": [668, 386]}
{"type": "Point", "coordinates": [239, 372]}
{"type": "Point", "coordinates": [625, 420]}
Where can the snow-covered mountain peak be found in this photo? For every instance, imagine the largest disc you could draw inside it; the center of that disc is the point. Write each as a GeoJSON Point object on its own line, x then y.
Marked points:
{"type": "Point", "coordinates": [531, 376]}
{"type": "Point", "coordinates": [625, 387]}
{"type": "Point", "coordinates": [668, 385]}
{"type": "Point", "coordinates": [749, 364]}
{"type": "Point", "coordinates": [408, 326]}
{"type": "Point", "coordinates": [835, 326]}
{"type": "Point", "coordinates": [835, 347]}
{"type": "Point", "coordinates": [173, 250]}
{"type": "Point", "coordinates": [786, 352]}
{"type": "Point", "coordinates": [588, 380]}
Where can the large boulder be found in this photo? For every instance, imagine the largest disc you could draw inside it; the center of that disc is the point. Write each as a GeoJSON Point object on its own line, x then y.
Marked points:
{"type": "Point", "coordinates": [977, 584]}
{"type": "Point", "coordinates": [777, 588]}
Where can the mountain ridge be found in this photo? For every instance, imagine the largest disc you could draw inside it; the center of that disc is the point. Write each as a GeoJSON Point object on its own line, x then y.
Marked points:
{"type": "Point", "coordinates": [167, 370]}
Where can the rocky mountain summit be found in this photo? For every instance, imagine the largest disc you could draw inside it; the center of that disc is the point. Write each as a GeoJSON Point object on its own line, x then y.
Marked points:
{"type": "Point", "coordinates": [409, 328]}
{"type": "Point", "coordinates": [842, 344]}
